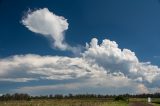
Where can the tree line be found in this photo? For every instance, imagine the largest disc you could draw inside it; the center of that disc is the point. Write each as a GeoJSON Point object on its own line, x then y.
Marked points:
{"type": "Point", "coordinates": [21, 96]}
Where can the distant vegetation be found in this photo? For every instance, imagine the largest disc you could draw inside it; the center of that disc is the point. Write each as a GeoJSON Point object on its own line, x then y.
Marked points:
{"type": "Point", "coordinates": [18, 99]}
{"type": "Point", "coordinates": [20, 96]}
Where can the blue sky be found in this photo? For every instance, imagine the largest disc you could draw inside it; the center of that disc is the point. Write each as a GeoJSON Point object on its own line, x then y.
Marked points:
{"type": "Point", "coordinates": [133, 25]}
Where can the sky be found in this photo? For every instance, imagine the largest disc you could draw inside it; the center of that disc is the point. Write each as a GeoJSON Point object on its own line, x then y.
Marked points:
{"type": "Point", "coordinates": [79, 46]}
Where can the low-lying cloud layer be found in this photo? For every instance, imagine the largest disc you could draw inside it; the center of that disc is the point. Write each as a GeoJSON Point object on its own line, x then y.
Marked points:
{"type": "Point", "coordinates": [100, 66]}
{"type": "Point", "coordinates": [46, 67]}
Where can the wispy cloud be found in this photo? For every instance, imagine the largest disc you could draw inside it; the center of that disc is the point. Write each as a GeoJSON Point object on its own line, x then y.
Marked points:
{"type": "Point", "coordinates": [17, 79]}
{"type": "Point", "coordinates": [156, 57]}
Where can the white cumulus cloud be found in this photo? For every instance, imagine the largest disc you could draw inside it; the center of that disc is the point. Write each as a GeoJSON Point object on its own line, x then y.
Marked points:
{"type": "Point", "coordinates": [113, 59]}
{"type": "Point", "coordinates": [100, 66]}
{"type": "Point", "coordinates": [50, 25]}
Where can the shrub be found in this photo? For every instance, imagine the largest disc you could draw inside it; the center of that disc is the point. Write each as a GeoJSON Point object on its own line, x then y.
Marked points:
{"type": "Point", "coordinates": [120, 98]}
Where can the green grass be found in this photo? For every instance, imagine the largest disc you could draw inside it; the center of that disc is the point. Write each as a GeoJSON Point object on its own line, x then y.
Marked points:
{"type": "Point", "coordinates": [64, 102]}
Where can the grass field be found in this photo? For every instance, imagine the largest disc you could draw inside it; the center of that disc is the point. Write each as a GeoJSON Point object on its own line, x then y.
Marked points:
{"type": "Point", "coordinates": [64, 102]}
{"type": "Point", "coordinates": [73, 102]}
